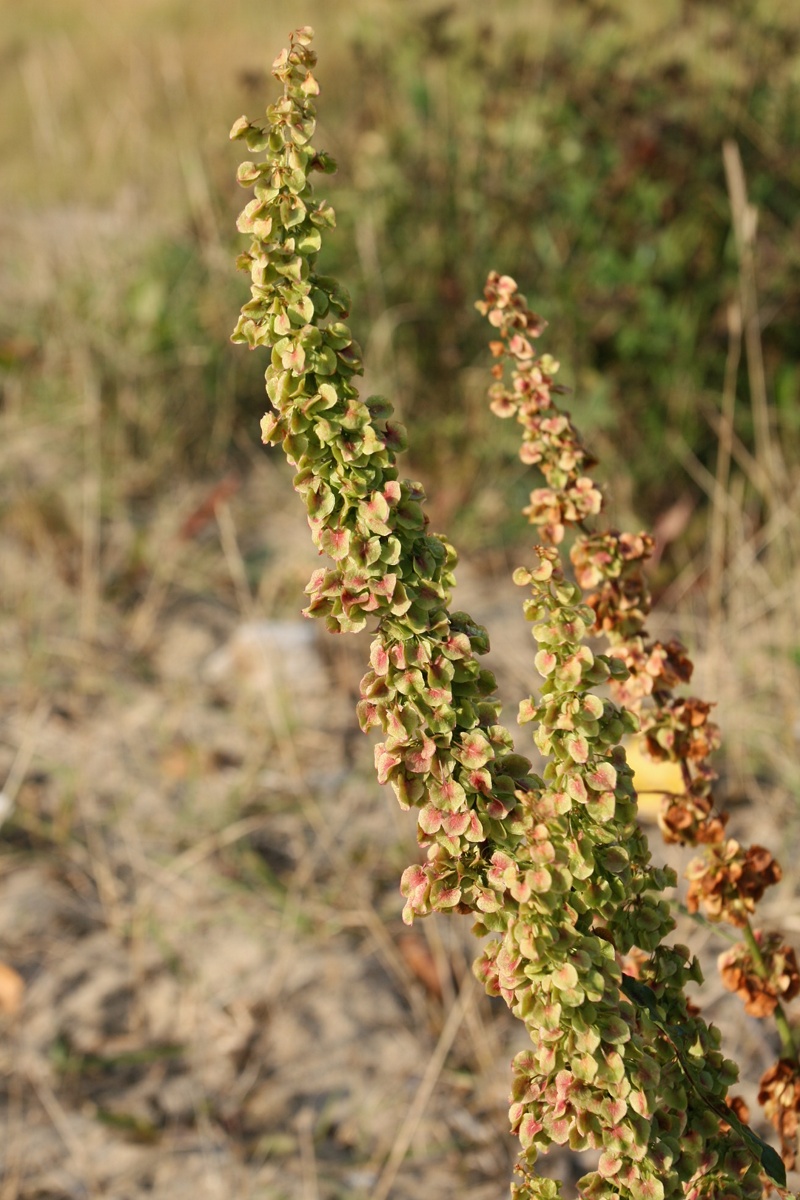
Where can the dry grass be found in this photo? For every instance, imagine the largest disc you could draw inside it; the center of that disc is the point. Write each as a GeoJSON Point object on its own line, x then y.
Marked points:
{"type": "Point", "coordinates": [199, 891]}
{"type": "Point", "coordinates": [738, 601]}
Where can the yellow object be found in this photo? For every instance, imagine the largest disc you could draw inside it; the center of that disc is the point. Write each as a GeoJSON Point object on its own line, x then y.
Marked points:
{"type": "Point", "coordinates": [651, 779]}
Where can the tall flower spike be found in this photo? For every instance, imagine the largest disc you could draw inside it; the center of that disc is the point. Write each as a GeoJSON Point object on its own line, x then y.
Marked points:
{"type": "Point", "coordinates": [608, 567]}
{"type": "Point", "coordinates": [555, 869]}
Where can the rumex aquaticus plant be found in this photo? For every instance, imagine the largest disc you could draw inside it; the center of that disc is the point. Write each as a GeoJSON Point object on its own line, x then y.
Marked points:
{"type": "Point", "coordinates": [726, 880]}
{"type": "Point", "coordinates": [553, 867]}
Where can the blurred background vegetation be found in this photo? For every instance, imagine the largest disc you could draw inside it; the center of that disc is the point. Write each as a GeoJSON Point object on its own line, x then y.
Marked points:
{"type": "Point", "coordinates": [576, 145]}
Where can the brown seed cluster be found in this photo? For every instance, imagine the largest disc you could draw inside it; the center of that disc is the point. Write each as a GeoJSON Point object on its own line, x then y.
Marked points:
{"type": "Point", "coordinates": [730, 880]}
{"type": "Point", "coordinates": [761, 985]}
{"type": "Point", "coordinates": [779, 1094]}
{"type": "Point", "coordinates": [691, 819]}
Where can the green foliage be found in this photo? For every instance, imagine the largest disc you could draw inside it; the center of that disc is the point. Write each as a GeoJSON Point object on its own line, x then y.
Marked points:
{"type": "Point", "coordinates": [587, 151]}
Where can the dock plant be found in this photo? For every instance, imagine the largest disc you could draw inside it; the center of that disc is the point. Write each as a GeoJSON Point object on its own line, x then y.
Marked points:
{"type": "Point", "coordinates": [554, 867]}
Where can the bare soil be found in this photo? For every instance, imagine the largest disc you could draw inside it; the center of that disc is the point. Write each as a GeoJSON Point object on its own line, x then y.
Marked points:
{"type": "Point", "coordinates": [207, 990]}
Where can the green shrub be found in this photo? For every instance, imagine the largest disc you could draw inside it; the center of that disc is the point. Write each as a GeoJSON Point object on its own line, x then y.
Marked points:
{"type": "Point", "coordinates": [586, 150]}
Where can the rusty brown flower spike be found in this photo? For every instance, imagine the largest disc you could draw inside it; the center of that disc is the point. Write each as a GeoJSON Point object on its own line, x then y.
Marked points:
{"type": "Point", "coordinates": [554, 868]}
{"type": "Point", "coordinates": [780, 1096]}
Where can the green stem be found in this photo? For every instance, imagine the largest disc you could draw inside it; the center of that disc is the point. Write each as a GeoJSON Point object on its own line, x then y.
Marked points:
{"type": "Point", "coordinates": [781, 1020]}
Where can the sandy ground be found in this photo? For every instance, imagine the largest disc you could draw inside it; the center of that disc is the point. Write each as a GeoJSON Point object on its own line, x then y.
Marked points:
{"type": "Point", "coordinates": [208, 992]}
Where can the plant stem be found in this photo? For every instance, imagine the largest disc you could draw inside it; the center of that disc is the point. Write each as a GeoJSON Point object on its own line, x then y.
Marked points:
{"type": "Point", "coordinates": [781, 1021]}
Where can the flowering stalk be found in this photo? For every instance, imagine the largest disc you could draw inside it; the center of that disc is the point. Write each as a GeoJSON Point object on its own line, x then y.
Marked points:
{"type": "Point", "coordinates": [555, 868]}
{"type": "Point", "coordinates": [728, 879]}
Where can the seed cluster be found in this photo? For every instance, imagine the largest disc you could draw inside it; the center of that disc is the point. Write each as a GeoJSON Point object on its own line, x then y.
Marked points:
{"type": "Point", "coordinates": [554, 868]}
{"type": "Point", "coordinates": [728, 879]}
